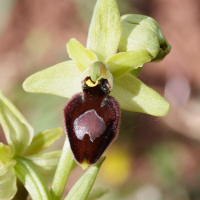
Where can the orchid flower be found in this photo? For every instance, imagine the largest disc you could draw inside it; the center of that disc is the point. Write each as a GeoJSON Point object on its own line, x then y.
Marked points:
{"type": "Point", "coordinates": [100, 67]}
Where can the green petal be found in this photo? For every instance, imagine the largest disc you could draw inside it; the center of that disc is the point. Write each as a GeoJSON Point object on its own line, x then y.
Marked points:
{"type": "Point", "coordinates": [121, 63]}
{"type": "Point", "coordinates": [105, 29]}
{"type": "Point", "coordinates": [97, 193]}
{"type": "Point", "coordinates": [17, 130]}
{"type": "Point", "coordinates": [8, 186]}
{"type": "Point", "coordinates": [65, 166]}
{"type": "Point", "coordinates": [83, 57]}
{"type": "Point", "coordinates": [84, 185]}
{"type": "Point", "coordinates": [46, 164]}
{"type": "Point", "coordinates": [63, 79]}
{"type": "Point", "coordinates": [43, 140]}
{"type": "Point", "coordinates": [31, 179]}
{"type": "Point", "coordinates": [133, 95]}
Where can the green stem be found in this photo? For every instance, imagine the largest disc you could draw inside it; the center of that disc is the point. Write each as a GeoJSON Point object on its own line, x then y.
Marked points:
{"type": "Point", "coordinates": [31, 179]}
{"type": "Point", "coordinates": [64, 168]}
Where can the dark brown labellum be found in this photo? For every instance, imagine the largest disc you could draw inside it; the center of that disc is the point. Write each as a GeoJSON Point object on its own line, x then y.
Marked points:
{"type": "Point", "coordinates": [91, 120]}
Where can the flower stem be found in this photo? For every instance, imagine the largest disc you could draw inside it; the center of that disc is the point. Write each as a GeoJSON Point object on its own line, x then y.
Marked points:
{"type": "Point", "coordinates": [64, 168]}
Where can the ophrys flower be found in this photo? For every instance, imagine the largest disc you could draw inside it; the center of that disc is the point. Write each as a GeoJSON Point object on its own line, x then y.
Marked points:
{"type": "Point", "coordinates": [69, 78]}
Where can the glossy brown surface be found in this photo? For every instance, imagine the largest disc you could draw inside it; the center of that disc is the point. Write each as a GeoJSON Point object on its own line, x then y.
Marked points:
{"type": "Point", "coordinates": [91, 120]}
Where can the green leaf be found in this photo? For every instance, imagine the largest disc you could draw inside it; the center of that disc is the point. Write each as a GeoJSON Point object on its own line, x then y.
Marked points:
{"type": "Point", "coordinates": [8, 186]}
{"type": "Point", "coordinates": [31, 179]}
{"type": "Point", "coordinates": [83, 57]}
{"type": "Point", "coordinates": [43, 140]}
{"type": "Point", "coordinates": [97, 193]}
{"type": "Point", "coordinates": [46, 164]}
{"type": "Point", "coordinates": [63, 79]}
{"type": "Point", "coordinates": [105, 29]}
{"type": "Point", "coordinates": [121, 63]}
{"type": "Point", "coordinates": [65, 166]}
{"type": "Point", "coordinates": [84, 185]}
{"type": "Point", "coordinates": [133, 95]}
{"type": "Point", "coordinates": [17, 130]}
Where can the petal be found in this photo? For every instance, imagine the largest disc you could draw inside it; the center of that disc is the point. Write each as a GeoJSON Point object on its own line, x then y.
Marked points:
{"type": "Point", "coordinates": [63, 79]}
{"type": "Point", "coordinates": [8, 186]}
{"type": "Point", "coordinates": [43, 140]}
{"type": "Point", "coordinates": [105, 29]}
{"type": "Point", "coordinates": [31, 179]}
{"type": "Point", "coordinates": [133, 95]}
{"type": "Point", "coordinates": [17, 130]}
{"type": "Point", "coordinates": [84, 185]}
{"type": "Point", "coordinates": [83, 57]}
{"type": "Point", "coordinates": [46, 164]}
{"type": "Point", "coordinates": [121, 63]}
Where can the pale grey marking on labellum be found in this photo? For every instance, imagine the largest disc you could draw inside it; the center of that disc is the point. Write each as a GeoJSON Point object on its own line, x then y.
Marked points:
{"type": "Point", "coordinates": [89, 123]}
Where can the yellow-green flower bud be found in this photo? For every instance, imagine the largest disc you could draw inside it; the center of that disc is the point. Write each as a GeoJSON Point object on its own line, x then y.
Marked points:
{"type": "Point", "coordinates": [143, 32]}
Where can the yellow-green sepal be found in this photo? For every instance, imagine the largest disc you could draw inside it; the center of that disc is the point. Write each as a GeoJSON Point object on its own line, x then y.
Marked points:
{"type": "Point", "coordinates": [133, 95]}
{"type": "Point", "coordinates": [63, 79]}
{"type": "Point", "coordinates": [105, 29]}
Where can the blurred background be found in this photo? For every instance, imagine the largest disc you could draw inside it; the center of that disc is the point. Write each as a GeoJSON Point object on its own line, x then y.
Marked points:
{"type": "Point", "coordinates": [153, 158]}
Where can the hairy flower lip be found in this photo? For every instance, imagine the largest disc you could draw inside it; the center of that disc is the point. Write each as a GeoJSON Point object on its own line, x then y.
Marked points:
{"type": "Point", "coordinates": [82, 112]}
